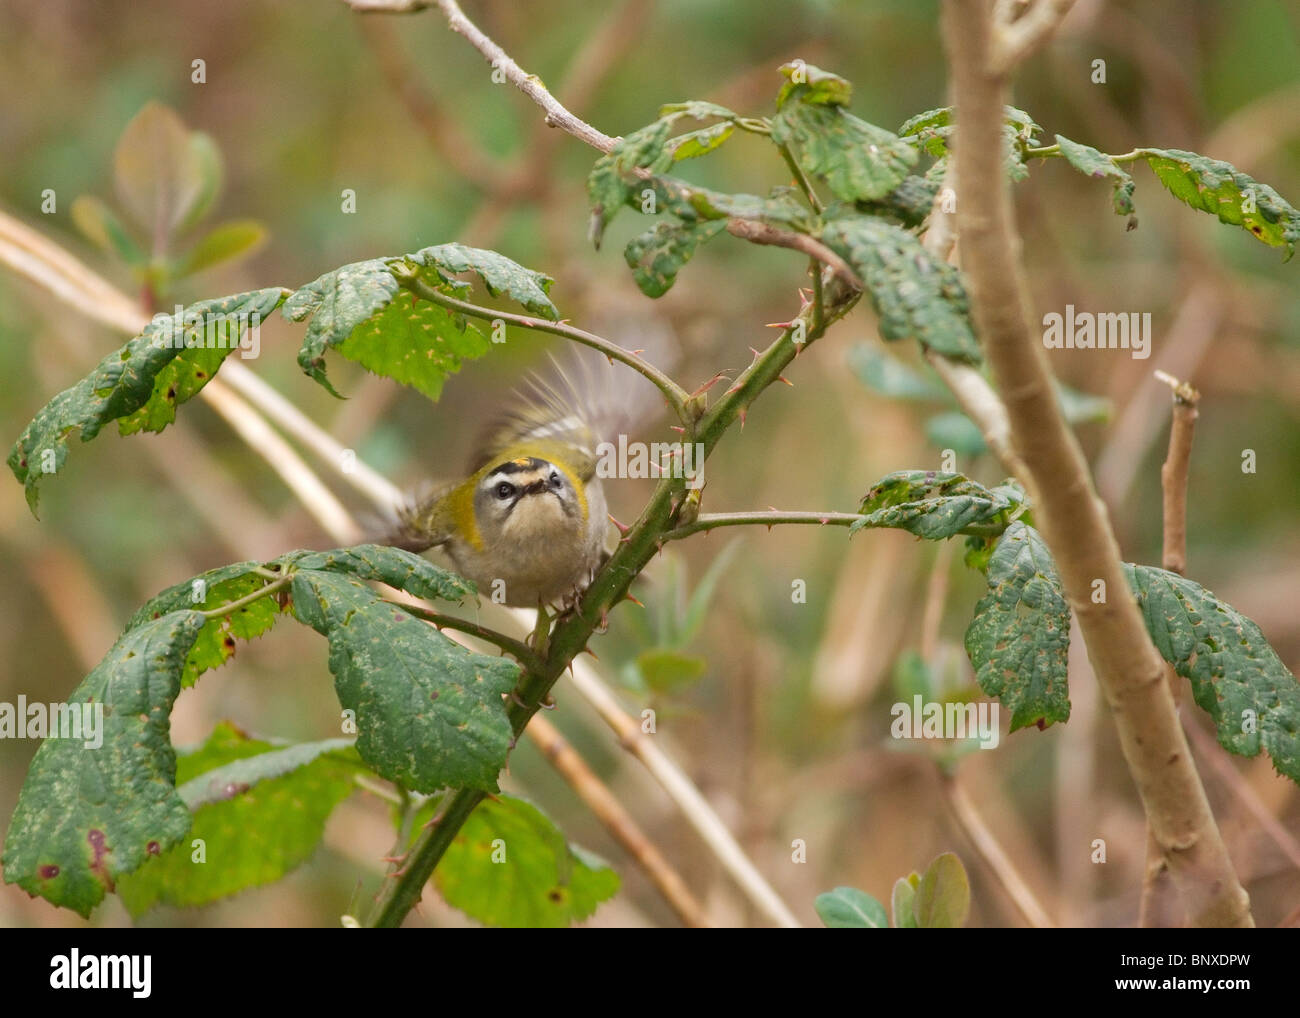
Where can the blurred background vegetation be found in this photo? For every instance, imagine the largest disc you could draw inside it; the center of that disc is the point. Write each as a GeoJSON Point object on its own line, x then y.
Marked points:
{"type": "Point", "coordinates": [786, 726]}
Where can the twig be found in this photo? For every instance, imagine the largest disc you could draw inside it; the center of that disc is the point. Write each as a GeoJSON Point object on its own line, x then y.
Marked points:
{"type": "Point", "coordinates": [606, 807]}
{"type": "Point", "coordinates": [760, 233]}
{"type": "Point", "coordinates": [695, 808]}
{"type": "Point", "coordinates": [677, 396]}
{"type": "Point", "coordinates": [997, 860]}
{"type": "Point", "coordinates": [521, 651]}
{"type": "Point", "coordinates": [531, 85]}
{"type": "Point", "coordinates": [1072, 519]}
{"type": "Point", "coordinates": [1014, 41]}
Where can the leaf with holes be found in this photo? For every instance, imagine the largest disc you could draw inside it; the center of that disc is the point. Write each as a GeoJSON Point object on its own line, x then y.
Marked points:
{"type": "Point", "coordinates": [1019, 639]}
{"type": "Point", "coordinates": [656, 256]}
{"type": "Point", "coordinates": [1236, 677]}
{"type": "Point", "coordinates": [510, 866]}
{"type": "Point", "coordinates": [913, 294]}
{"type": "Point", "coordinates": [158, 369]}
{"type": "Point", "coordinates": [858, 161]}
{"type": "Point", "coordinates": [86, 816]}
{"type": "Point", "coordinates": [936, 505]}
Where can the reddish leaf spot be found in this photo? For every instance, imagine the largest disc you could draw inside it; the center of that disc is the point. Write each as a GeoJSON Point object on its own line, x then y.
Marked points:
{"type": "Point", "coordinates": [556, 895]}
{"type": "Point", "coordinates": [49, 871]}
{"type": "Point", "coordinates": [171, 392]}
{"type": "Point", "coordinates": [153, 848]}
{"type": "Point", "coordinates": [433, 695]}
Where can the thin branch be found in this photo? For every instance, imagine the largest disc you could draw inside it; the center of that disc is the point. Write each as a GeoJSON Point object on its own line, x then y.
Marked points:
{"type": "Point", "coordinates": [531, 85]}
{"type": "Point", "coordinates": [769, 519]}
{"type": "Point", "coordinates": [222, 611]}
{"type": "Point", "coordinates": [617, 820]}
{"type": "Point", "coordinates": [760, 233]}
{"type": "Point", "coordinates": [1173, 474]}
{"type": "Point", "coordinates": [674, 393]}
{"type": "Point", "coordinates": [1013, 42]}
{"type": "Point", "coordinates": [1072, 518]}
{"type": "Point", "coordinates": [994, 856]}
{"type": "Point", "coordinates": [517, 648]}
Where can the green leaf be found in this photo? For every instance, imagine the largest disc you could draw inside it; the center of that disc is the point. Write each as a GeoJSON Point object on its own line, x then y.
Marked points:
{"type": "Point", "coordinates": [393, 566]}
{"type": "Point", "coordinates": [100, 225]}
{"type": "Point", "coordinates": [691, 203]}
{"type": "Point", "coordinates": [667, 671]}
{"type": "Point", "coordinates": [510, 866]}
{"type": "Point", "coordinates": [259, 810]}
{"type": "Point", "coordinates": [1019, 639]}
{"type": "Point", "coordinates": [943, 897]}
{"type": "Point", "coordinates": [935, 504]}
{"type": "Point", "coordinates": [362, 311]}
{"type": "Point", "coordinates": [160, 176]}
{"type": "Point", "coordinates": [428, 711]}
{"type": "Point", "coordinates": [139, 376]}
{"type": "Point", "coordinates": [215, 644]}
{"type": "Point", "coordinates": [1223, 190]}
{"type": "Point", "coordinates": [901, 902]}
{"type": "Point", "coordinates": [500, 275]}
{"type": "Point", "coordinates": [848, 908]}
{"type": "Point", "coordinates": [858, 161]}
{"type": "Point", "coordinates": [933, 129]}
{"type": "Point", "coordinates": [889, 376]}
{"type": "Point", "coordinates": [700, 142]}
{"type": "Point", "coordinates": [224, 243]}
{"type": "Point", "coordinates": [656, 256]}
{"type": "Point", "coordinates": [811, 84]}
{"type": "Point", "coordinates": [912, 292]}
{"type": "Point", "coordinates": [1236, 677]}
{"type": "Point", "coordinates": [1100, 166]}
{"type": "Point", "coordinates": [698, 109]}
{"type": "Point", "coordinates": [910, 203]}
{"type": "Point", "coordinates": [87, 816]}
{"type": "Point", "coordinates": [613, 178]}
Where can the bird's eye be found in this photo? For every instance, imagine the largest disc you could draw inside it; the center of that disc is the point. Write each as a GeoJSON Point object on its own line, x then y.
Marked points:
{"type": "Point", "coordinates": [505, 490]}
{"type": "Point", "coordinates": [555, 479]}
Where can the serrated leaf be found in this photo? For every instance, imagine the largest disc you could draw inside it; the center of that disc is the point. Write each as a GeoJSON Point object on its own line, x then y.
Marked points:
{"type": "Point", "coordinates": [698, 109]}
{"type": "Point", "coordinates": [428, 711]}
{"type": "Point", "coordinates": [215, 644]}
{"type": "Point", "coordinates": [259, 809]}
{"type": "Point", "coordinates": [901, 903]}
{"type": "Point", "coordinates": [1100, 166]}
{"type": "Point", "coordinates": [1019, 639]}
{"type": "Point", "coordinates": [656, 256]}
{"type": "Point", "coordinates": [847, 908]}
{"type": "Point", "coordinates": [500, 275]}
{"type": "Point", "coordinates": [135, 377]}
{"type": "Point", "coordinates": [510, 866]}
{"type": "Point", "coordinates": [1223, 190]}
{"type": "Point", "coordinates": [1236, 677]}
{"type": "Point", "coordinates": [86, 816]}
{"type": "Point", "coordinates": [858, 161]}
{"type": "Point", "coordinates": [362, 311]}
{"type": "Point", "coordinates": [159, 176]}
{"type": "Point", "coordinates": [914, 294]}
{"type": "Point", "coordinates": [393, 566]}
{"type": "Point", "coordinates": [933, 504]}
{"type": "Point", "coordinates": [227, 242]}
{"type": "Point", "coordinates": [889, 376]}
{"type": "Point", "coordinates": [99, 224]}
{"type": "Point", "coordinates": [613, 178]}
{"type": "Point", "coordinates": [810, 84]}
{"type": "Point", "coordinates": [942, 899]}
{"type": "Point", "coordinates": [692, 203]}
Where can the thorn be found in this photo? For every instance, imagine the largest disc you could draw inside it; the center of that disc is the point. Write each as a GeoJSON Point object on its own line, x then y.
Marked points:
{"type": "Point", "coordinates": [638, 353]}
{"type": "Point", "coordinates": [782, 378]}
{"type": "Point", "coordinates": [734, 388]}
{"type": "Point", "coordinates": [677, 428]}
{"type": "Point", "coordinates": [630, 597]}
{"type": "Point", "coordinates": [548, 703]}
{"type": "Point", "coordinates": [514, 695]}
{"type": "Point", "coordinates": [755, 353]}
{"type": "Point", "coordinates": [396, 860]}
{"type": "Point", "coordinates": [709, 384]}
{"type": "Point", "coordinates": [780, 325]}
{"type": "Point", "coordinates": [588, 650]}
{"type": "Point", "coordinates": [623, 528]}
{"type": "Point", "coordinates": [742, 415]}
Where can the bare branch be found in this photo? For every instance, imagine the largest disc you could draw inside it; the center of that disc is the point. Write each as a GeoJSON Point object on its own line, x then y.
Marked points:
{"type": "Point", "coordinates": [1013, 42]}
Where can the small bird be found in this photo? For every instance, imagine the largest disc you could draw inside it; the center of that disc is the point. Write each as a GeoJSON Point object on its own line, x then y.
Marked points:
{"type": "Point", "coordinates": [529, 525]}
